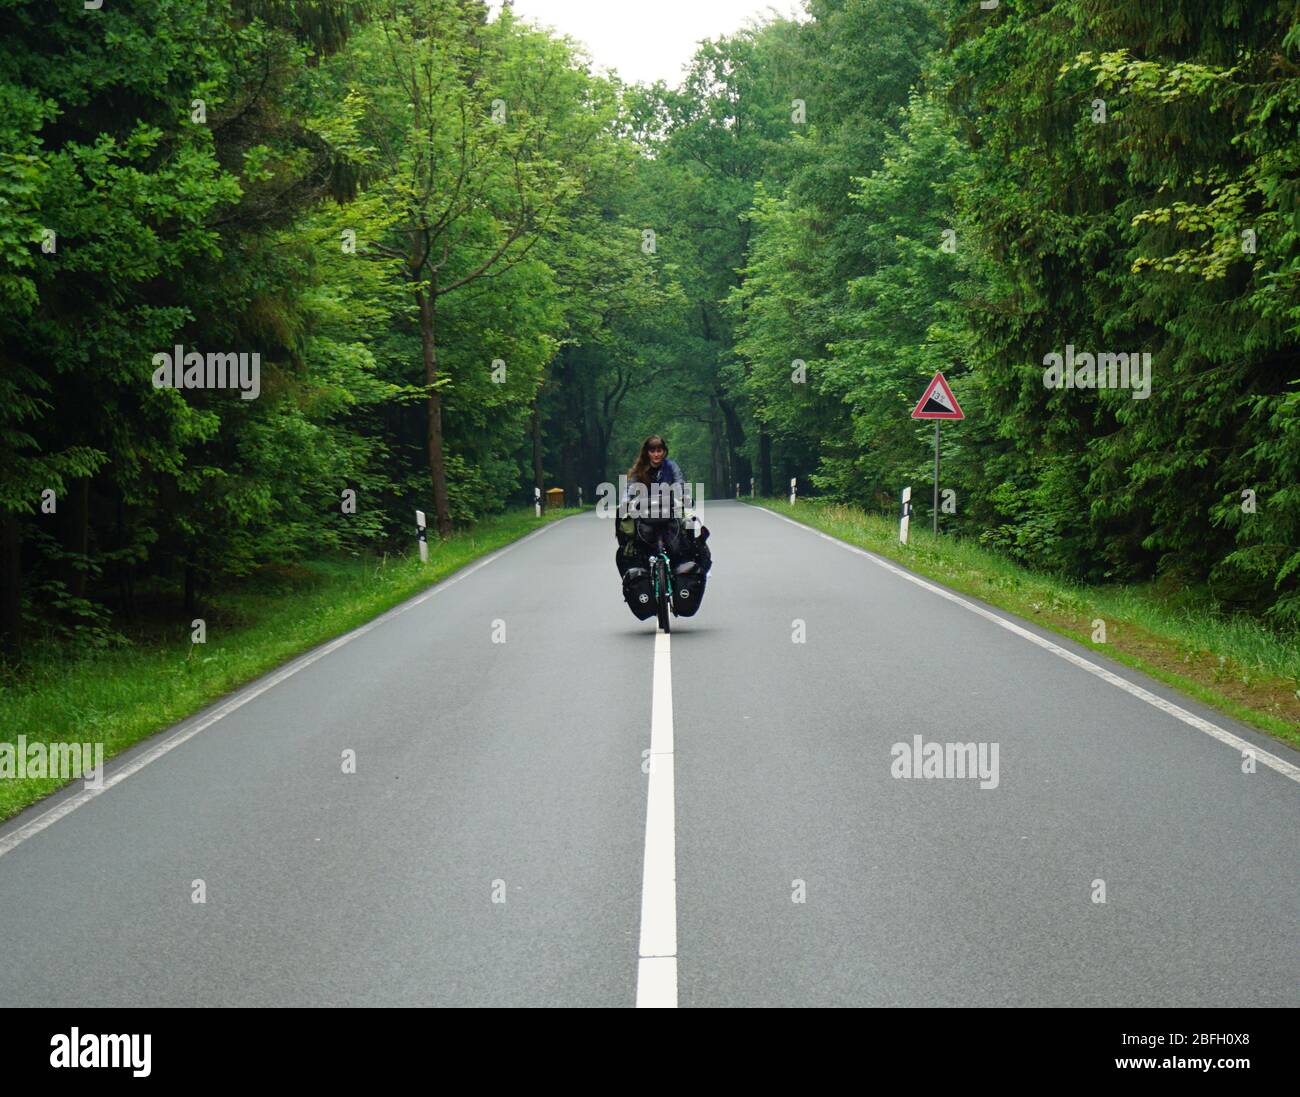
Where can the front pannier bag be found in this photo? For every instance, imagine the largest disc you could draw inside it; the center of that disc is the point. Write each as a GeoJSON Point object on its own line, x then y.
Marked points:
{"type": "Point", "coordinates": [639, 593]}
{"type": "Point", "coordinates": [688, 588]}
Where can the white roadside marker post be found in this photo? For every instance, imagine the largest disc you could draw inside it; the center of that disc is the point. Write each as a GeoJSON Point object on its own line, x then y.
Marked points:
{"type": "Point", "coordinates": [579, 496]}
{"type": "Point", "coordinates": [794, 489]}
{"type": "Point", "coordinates": [905, 521]}
{"type": "Point", "coordinates": [537, 501]}
{"type": "Point", "coordinates": [422, 535]}
{"type": "Point", "coordinates": [737, 490]}
{"type": "Point", "coordinates": [751, 487]}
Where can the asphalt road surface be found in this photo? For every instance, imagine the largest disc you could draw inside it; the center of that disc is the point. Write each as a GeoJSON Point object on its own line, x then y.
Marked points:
{"type": "Point", "coordinates": [501, 843]}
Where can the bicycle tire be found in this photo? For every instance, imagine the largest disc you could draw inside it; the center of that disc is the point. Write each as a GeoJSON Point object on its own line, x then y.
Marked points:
{"type": "Point", "coordinates": [661, 588]}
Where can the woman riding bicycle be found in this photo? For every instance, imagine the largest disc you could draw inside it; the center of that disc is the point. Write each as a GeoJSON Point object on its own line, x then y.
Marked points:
{"type": "Point", "coordinates": [661, 556]}
{"type": "Point", "coordinates": [653, 473]}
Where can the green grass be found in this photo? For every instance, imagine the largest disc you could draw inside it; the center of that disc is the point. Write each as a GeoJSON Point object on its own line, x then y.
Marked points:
{"type": "Point", "coordinates": [123, 695]}
{"type": "Point", "coordinates": [1233, 663]}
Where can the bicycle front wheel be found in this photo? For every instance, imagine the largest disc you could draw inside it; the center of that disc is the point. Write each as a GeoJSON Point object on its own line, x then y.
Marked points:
{"type": "Point", "coordinates": [661, 589]}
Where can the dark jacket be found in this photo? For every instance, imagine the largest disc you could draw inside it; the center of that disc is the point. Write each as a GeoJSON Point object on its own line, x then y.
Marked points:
{"type": "Point", "coordinates": [667, 473]}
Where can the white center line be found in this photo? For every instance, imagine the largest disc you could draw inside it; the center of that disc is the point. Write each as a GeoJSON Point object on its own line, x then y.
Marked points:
{"type": "Point", "coordinates": [656, 977]}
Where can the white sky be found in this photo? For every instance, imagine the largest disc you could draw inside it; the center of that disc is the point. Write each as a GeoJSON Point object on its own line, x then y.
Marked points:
{"type": "Point", "coordinates": [646, 40]}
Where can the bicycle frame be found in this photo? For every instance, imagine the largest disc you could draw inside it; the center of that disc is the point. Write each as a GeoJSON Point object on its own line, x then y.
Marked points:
{"type": "Point", "coordinates": [668, 570]}
{"type": "Point", "coordinates": [659, 560]}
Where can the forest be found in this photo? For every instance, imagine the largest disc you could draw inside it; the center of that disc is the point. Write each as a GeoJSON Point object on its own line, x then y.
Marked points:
{"type": "Point", "coordinates": [446, 259]}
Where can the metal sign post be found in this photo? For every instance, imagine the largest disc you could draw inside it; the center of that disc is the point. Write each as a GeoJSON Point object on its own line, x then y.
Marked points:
{"type": "Point", "coordinates": [936, 477]}
{"type": "Point", "coordinates": [937, 403]}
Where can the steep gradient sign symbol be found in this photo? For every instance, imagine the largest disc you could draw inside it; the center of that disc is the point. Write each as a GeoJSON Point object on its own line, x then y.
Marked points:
{"type": "Point", "coordinates": [938, 402]}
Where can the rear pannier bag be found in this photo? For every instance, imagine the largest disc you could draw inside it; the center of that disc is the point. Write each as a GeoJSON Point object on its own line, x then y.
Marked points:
{"type": "Point", "coordinates": [639, 593]}
{"type": "Point", "coordinates": [688, 589]}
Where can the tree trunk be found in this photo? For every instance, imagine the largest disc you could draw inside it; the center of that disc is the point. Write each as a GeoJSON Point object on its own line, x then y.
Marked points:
{"type": "Point", "coordinates": [539, 480]}
{"type": "Point", "coordinates": [719, 488]}
{"type": "Point", "coordinates": [437, 469]}
{"type": "Point", "coordinates": [568, 474]}
{"type": "Point", "coordinates": [11, 583]}
{"type": "Point", "coordinates": [569, 431]}
{"type": "Point", "coordinates": [590, 471]}
{"type": "Point", "coordinates": [77, 537]}
{"type": "Point", "coordinates": [125, 567]}
{"type": "Point", "coordinates": [601, 454]}
{"type": "Point", "coordinates": [739, 464]}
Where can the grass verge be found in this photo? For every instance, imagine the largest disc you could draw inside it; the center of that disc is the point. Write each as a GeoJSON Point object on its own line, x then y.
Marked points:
{"type": "Point", "coordinates": [123, 695]}
{"type": "Point", "coordinates": [1233, 663]}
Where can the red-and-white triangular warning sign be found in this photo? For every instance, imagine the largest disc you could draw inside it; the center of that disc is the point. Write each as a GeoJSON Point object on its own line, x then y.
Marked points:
{"type": "Point", "coordinates": [938, 402]}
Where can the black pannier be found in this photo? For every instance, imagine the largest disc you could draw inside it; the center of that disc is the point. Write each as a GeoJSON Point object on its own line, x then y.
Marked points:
{"type": "Point", "coordinates": [688, 588]}
{"type": "Point", "coordinates": [639, 593]}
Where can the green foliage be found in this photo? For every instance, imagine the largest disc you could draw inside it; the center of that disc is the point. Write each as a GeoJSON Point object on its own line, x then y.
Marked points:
{"type": "Point", "coordinates": [247, 176]}
{"type": "Point", "coordinates": [467, 264]}
{"type": "Point", "coordinates": [1112, 178]}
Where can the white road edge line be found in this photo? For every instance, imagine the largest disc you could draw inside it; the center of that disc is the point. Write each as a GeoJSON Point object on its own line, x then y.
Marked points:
{"type": "Point", "coordinates": [248, 693]}
{"type": "Point", "coordinates": [1280, 765]}
{"type": "Point", "coordinates": [656, 974]}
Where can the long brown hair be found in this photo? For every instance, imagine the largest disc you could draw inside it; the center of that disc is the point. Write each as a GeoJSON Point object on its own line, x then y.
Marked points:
{"type": "Point", "coordinates": [641, 469]}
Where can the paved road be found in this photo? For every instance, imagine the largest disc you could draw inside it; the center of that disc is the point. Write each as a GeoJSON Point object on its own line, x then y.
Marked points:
{"type": "Point", "coordinates": [514, 771]}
